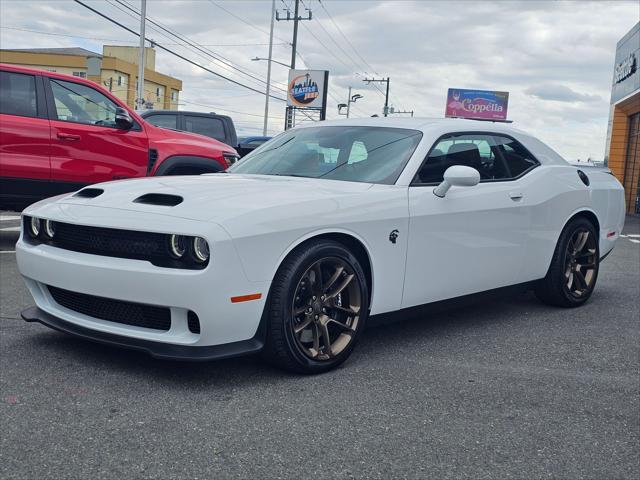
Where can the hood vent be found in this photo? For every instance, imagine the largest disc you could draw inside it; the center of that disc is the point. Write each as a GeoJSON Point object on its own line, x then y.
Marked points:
{"type": "Point", "coordinates": [89, 193]}
{"type": "Point", "coordinates": [161, 199]}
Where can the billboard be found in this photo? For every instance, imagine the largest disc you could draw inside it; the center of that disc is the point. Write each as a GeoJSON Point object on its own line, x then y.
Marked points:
{"type": "Point", "coordinates": [307, 88]}
{"type": "Point", "coordinates": [480, 104]}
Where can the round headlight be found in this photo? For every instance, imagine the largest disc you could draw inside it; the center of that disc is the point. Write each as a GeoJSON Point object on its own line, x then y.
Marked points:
{"type": "Point", "coordinates": [49, 228]}
{"type": "Point", "coordinates": [177, 246]}
{"type": "Point", "coordinates": [34, 227]}
{"type": "Point", "coordinates": [200, 249]}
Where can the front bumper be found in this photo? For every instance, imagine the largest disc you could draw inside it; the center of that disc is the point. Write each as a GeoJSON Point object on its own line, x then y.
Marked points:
{"type": "Point", "coordinates": [164, 351]}
{"type": "Point", "coordinates": [205, 292]}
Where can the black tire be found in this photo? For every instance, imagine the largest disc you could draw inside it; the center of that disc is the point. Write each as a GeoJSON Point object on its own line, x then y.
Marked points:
{"type": "Point", "coordinates": [283, 345]}
{"type": "Point", "coordinates": [555, 288]}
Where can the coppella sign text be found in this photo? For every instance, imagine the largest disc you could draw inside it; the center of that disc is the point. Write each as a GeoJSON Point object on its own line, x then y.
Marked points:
{"type": "Point", "coordinates": [625, 68]}
{"type": "Point", "coordinates": [479, 104]}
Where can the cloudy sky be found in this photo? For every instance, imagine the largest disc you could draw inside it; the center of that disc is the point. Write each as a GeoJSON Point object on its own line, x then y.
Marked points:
{"type": "Point", "coordinates": [554, 58]}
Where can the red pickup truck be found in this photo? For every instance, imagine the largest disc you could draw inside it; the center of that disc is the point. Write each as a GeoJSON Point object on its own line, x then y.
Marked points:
{"type": "Point", "coordinates": [59, 133]}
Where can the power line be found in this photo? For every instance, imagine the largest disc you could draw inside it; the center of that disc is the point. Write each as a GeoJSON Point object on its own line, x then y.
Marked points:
{"type": "Point", "coordinates": [216, 56]}
{"type": "Point", "coordinates": [175, 53]}
{"type": "Point", "coordinates": [134, 41]}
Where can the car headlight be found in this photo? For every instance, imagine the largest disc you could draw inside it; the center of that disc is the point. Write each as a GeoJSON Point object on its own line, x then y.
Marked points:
{"type": "Point", "coordinates": [49, 228]}
{"type": "Point", "coordinates": [34, 227]}
{"type": "Point", "coordinates": [200, 249]}
{"type": "Point", "coordinates": [177, 246]}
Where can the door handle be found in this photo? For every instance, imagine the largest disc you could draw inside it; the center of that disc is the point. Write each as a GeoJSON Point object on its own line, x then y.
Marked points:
{"type": "Point", "coordinates": [516, 195]}
{"type": "Point", "coordinates": [68, 136]}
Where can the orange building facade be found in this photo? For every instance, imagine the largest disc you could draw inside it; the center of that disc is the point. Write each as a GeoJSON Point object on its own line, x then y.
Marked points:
{"type": "Point", "coordinates": [623, 142]}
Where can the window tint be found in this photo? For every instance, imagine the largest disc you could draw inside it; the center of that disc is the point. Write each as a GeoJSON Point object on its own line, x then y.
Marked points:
{"type": "Point", "coordinates": [82, 104]}
{"type": "Point", "coordinates": [495, 157]}
{"type": "Point", "coordinates": [18, 94]}
{"type": "Point", "coordinates": [211, 127]}
{"type": "Point", "coordinates": [166, 121]}
{"type": "Point", "coordinates": [356, 154]}
{"type": "Point", "coordinates": [516, 157]}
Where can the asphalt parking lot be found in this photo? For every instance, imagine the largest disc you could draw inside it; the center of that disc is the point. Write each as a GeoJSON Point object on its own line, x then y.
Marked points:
{"type": "Point", "coordinates": [504, 388]}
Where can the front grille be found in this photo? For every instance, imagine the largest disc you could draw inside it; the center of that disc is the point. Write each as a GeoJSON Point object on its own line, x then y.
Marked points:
{"type": "Point", "coordinates": [110, 241]}
{"type": "Point", "coordinates": [119, 311]}
{"type": "Point", "coordinates": [114, 242]}
{"type": "Point", "coordinates": [193, 322]}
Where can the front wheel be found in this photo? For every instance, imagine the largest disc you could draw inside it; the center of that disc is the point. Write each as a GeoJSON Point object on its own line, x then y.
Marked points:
{"type": "Point", "coordinates": [574, 268]}
{"type": "Point", "coordinates": [318, 305]}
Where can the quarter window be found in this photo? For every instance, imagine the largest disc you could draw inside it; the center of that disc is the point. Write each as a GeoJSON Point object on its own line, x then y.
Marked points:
{"type": "Point", "coordinates": [495, 157]}
{"type": "Point", "coordinates": [82, 104]}
{"type": "Point", "coordinates": [18, 94]}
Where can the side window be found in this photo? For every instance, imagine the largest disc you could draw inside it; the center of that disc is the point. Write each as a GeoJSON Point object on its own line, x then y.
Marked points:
{"type": "Point", "coordinates": [517, 158]}
{"type": "Point", "coordinates": [82, 104]}
{"type": "Point", "coordinates": [210, 127]}
{"type": "Point", "coordinates": [495, 157]}
{"type": "Point", "coordinates": [18, 94]}
{"type": "Point", "coordinates": [166, 121]}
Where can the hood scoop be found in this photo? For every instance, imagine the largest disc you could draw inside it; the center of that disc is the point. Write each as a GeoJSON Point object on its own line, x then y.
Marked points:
{"type": "Point", "coordinates": [161, 199]}
{"type": "Point", "coordinates": [89, 193]}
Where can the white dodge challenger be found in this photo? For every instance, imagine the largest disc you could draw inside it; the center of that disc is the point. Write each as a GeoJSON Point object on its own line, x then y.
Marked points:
{"type": "Point", "coordinates": [292, 249]}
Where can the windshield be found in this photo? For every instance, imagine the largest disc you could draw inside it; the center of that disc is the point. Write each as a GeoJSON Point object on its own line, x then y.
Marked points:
{"type": "Point", "coordinates": [355, 154]}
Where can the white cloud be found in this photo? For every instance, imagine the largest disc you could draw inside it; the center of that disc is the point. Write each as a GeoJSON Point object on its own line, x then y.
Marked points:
{"type": "Point", "coordinates": [555, 58]}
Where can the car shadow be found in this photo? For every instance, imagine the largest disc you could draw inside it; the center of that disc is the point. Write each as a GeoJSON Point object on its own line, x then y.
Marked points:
{"type": "Point", "coordinates": [384, 335]}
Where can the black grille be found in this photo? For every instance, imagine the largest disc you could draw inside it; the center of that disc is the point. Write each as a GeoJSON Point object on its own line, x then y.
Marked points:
{"type": "Point", "coordinates": [193, 322]}
{"type": "Point", "coordinates": [129, 313]}
{"type": "Point", "coordinates": [114, 242]}
{"type": "Point", "coordinates": [110, 241]}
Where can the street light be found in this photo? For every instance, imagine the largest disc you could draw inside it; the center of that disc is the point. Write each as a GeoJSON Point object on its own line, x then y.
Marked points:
{"type": "Point", "coordinates": [351, 99]}
{"type": "Point", "coordinates": [274, 61]}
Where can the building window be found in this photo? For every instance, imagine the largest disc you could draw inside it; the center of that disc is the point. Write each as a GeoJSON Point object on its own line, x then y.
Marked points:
{"type": "Point", "coordinates": [158, 92]}
{"type": "Point", "coordinates": [80, 74]}
{"type": "Point", "coordinates": [119, 80]}
{"type": "Point", "coordinates": [174, 96]}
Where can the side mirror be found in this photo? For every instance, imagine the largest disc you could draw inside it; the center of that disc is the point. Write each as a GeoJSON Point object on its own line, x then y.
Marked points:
{"type": "Point", "coordinates": [123, 119]}
{"type": "Point", "coordinates": [457, 176]}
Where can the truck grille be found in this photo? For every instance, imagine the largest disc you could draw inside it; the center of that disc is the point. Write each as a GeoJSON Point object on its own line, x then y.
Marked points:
{"type": "Point", "coordinates": [119, 311]}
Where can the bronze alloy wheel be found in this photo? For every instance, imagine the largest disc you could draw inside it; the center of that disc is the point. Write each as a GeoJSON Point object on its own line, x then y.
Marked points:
{"type": "Point", "coordinates": [326, 308]}
{"type": "Point", "coordinates": [580, 267]}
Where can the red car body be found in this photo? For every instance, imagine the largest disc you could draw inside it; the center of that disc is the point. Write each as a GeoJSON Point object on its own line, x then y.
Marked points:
{"type": "Point", "coordinates": [43, 153]}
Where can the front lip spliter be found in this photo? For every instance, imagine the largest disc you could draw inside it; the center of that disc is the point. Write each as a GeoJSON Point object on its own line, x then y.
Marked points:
{"type": "Point", "coordinates": [164, 351]}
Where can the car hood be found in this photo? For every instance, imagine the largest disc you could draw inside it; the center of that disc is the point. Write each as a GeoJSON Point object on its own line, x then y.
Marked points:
{"type": "Point", "coordinates": [216, 197]}
{"type": "Point", "coordinates": [159, 136]}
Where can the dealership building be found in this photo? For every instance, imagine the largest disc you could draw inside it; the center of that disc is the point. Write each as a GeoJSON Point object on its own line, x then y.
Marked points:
{"type": "Point", "coordinates": [116, 69]}
{"type": "Point", "coordinates": [623, 141]}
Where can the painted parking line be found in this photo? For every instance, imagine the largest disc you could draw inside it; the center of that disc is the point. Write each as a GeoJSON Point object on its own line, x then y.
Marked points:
{"type": "Point", "coordinates": [7, 251]}
{"type": "Point", "coordinates": [634, 241]}
{"type": "Point", "coordinates": [10, 229]}
{"type": "Point", "coordinates": [632, 235]}
{"type": "Point", "coordinates": [9, 217]}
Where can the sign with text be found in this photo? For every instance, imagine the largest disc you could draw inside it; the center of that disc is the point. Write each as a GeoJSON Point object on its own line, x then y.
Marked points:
{"type": "Point", "coordinates": [480, 104]}
{"type": "Point", "coordinates": [307, 88]}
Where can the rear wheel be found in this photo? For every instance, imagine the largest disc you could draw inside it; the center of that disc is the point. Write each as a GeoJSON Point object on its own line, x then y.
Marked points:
{"type": "Point", "coordinates": [318, 305]}
{"type": "Point", "coordinates": [574, 268]}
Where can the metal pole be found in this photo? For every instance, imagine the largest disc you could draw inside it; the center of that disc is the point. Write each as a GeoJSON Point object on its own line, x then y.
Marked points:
{"type": "Point", "coordinates": [266, 97]}
{"type": "Point", "coordinates": [295, 36]}
{"type": "Point", "coordinates": [143, 18]}
{"type": "Point", "coordinates": [386, 100]}
{"type": "Point", "coordinates": [349, 102]}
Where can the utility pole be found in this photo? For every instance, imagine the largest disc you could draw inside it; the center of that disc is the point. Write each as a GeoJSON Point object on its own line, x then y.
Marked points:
{"type": "Point", "coordinates": [296, 18]}
{"type": "Point", "coordinates": [143, 17]}
{"type": "Point", "coordinates": [386, 97]}
{"type": "Point", "coordinates": [266, 96]}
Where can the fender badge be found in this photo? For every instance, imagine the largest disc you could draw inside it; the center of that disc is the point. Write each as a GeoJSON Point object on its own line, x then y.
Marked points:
{"type": "Point", "coordinates": [393, 236]}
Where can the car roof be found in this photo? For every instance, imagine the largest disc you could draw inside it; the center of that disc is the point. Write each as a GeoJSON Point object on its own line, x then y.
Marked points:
{"type": "Point", "coordinates": [424, 124]}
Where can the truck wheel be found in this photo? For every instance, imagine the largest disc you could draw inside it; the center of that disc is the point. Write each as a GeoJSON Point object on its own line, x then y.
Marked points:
{"type": "Point", "coordinates": [574, 268]}
{"type": "Point", "coordinates": [318, 306]}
